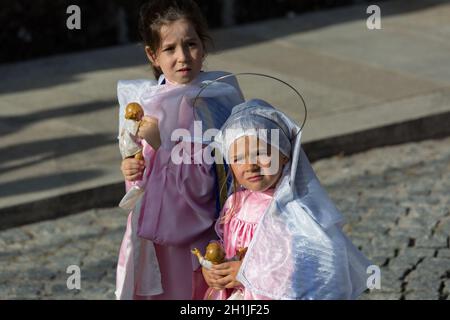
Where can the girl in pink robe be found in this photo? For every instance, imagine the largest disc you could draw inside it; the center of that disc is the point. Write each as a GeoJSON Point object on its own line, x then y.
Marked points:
{"type": "Point", "coordinates": [178, 208]}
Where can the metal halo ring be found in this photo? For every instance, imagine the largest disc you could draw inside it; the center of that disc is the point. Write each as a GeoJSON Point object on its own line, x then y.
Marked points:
{"type": "Point", "coordinates": [260, 75]}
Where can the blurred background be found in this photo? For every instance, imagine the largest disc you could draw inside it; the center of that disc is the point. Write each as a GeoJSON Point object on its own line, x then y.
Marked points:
{"type": "Point", "coordinates": [377, 130]}
{"type": "Point", "coordinates": [115, 22]}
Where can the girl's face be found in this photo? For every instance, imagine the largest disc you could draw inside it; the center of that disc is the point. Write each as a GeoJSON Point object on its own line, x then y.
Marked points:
{"type": "Point", "coordinates": [253, 164]}
{"type": "Point", "coordinates": [180, 56]}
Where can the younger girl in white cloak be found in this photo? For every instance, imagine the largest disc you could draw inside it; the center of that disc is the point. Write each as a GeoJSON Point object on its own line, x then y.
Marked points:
{"type": "Point", "coordinates": [280, 212]}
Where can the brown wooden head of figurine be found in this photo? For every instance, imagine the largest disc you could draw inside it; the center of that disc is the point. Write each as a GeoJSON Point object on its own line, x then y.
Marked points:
{"type": "Point", "coordinates": [134, 111]}
{"type": "Point", "coordinates": [215, 253]}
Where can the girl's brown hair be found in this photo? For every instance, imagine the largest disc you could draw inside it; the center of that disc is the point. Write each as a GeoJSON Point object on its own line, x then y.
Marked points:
{"type": "Point", "coordinates": [156, 13]}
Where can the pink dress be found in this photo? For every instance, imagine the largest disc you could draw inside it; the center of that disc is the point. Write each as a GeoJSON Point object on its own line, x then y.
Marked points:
{"type": "Point", "coordinates": [238, 232]}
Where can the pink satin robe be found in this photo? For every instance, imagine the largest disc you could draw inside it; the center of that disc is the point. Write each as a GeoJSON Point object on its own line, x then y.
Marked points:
{"type": "Point", "coordinates": [177, 214]}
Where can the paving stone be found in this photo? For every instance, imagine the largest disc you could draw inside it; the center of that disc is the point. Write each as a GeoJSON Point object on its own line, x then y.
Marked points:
{"type": "Point", "coordinates": [444, 253]}
{"type": "Point", "coordinates": [436, 241]}
{"type": "Point", "coordinates": [380, 295]}
{"type": "Point", "coordinates": [390, 282]}
{"type": "Point", "coordinates": [422, 295]}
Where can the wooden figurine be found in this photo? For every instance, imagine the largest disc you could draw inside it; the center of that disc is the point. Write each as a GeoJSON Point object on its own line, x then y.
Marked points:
{"type": "Point", "coordinates": [129, 142]}
{"type": "Point", "coordinates": [215, 254]}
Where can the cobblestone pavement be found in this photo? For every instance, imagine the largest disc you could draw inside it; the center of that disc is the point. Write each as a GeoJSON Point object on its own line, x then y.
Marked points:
{"type": "Point", "coordinates": [395, 200]}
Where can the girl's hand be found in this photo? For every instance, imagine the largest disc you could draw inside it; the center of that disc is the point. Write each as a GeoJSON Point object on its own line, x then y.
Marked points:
{"type": "Point", "coordinates": [227, 271]}
{"type": "Point", "coordinates": [132, 169]}
{"type": "Point", "coordinates": [211, 279]}
{"type": "Point", "coordinates": [149, 131]}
